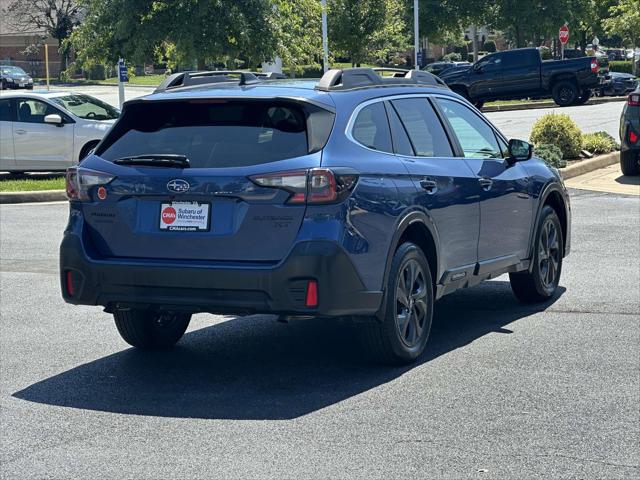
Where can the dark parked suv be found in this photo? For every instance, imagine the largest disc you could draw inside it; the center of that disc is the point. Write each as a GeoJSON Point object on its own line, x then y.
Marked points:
{"type": "Point", "coordinates": [630, 135]}
{"type": "Point", "coordinates": [361, 196]}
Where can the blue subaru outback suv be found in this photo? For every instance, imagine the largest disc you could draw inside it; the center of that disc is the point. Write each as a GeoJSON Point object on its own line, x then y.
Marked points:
{"type": "Point", "coordinates": [366, 195]}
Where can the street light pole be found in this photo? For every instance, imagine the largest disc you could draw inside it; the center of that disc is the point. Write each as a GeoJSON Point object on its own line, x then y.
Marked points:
{"type": "Point", "coordinates": [416, 32]}
{"type": "Point", "coordinates": [325, 41]}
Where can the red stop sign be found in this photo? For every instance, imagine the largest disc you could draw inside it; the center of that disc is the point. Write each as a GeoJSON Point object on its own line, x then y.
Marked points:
{"type": "Point", "coordinates": [564, 34]}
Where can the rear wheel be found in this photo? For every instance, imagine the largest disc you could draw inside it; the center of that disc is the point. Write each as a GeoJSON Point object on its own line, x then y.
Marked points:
{"type": "Point", "coordinates": [402, 336]}
{"type": "Point", "coordinates": [629, 162]}
{"type": "Point", "coordinates": [540, 284]}
{"type": "Point", "coordinates": [564, 93]}
{"type": "Point", "coordinates": [151, 330]}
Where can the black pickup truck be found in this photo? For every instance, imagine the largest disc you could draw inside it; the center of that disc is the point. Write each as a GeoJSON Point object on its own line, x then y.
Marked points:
{"type": "Point", "coordinates": [521, 73]}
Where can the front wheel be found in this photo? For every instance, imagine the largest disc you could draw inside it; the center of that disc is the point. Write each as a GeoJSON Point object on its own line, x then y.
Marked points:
{"type": "Point", "coordinates": [540, 284]}
{"type": "Point", "coordinates": [402, 335]}
{"type": "Point", "coordinates": [151, 330]}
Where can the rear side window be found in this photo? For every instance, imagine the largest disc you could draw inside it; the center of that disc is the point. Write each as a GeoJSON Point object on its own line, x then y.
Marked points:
{"type": "Point", "coordinates": [216, 133]}
{"type": "Point", "coordinates": [371, 128]}
{"type": "Point", "coordinates": [423, 127]}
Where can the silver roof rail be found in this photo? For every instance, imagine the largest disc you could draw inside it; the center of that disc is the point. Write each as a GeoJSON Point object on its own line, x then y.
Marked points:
{"type": "Point", "coordinates": [189, 79]}
{"type": "Point", "coordinates": [352, 78]}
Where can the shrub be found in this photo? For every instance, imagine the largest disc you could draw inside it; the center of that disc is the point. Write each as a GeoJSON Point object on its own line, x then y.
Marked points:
{"type": "Point", "coordinates": [452, 57]}
{"type": "Point", "coordinates": [558, 130]}
{"type": "Point", "coordinates": [599, 142]}
{"type": "Point", "coordinates": [489, 46]}
{"type": "Point", "coordinates": [551, 155]}
{"type": "Point", "coordinates": [95, 72]}
{"type": "Point", "coordinates": [621, 66]}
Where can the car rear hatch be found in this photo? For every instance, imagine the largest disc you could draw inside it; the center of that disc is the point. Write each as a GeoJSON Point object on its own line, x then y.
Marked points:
{"type": "Point", "coordinates": [194, 179]}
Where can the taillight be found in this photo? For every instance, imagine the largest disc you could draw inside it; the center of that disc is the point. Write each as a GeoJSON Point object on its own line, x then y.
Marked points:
{"type": "Point", "coordinates": [313, 186]}
{"type": "Point", "coordinates": [595, 68]}
{"type": "Point", "coordinates": [311, 298]}
{"type": "Point", "coordinates": [79, 182]}
{"type": "Point", "coordinates": [634, 100]}
{"type": "Point", "coordinates": [633, 136]}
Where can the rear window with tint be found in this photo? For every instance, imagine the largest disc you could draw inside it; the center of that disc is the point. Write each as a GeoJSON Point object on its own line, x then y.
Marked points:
{"type": "Point", "coordinates": [218, 133]}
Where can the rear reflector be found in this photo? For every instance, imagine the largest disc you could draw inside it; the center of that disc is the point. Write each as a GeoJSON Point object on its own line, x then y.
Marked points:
{"type": "Point", "coordinates": [69, 278]}
{"type": "Point", "coordinates": [633, 136]}
{"type": "Point", "coordinates": [311, 300]}
{"type": "Point", "coordinates": [594, 66]}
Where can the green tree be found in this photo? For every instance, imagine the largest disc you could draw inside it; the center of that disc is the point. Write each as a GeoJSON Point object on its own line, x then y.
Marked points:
{"type": "Point", "coordinates": [201, 31]}
{"type": "Point", "coordinates": [353, 26]}
{"type": "Point", "coordinates": [297, 32]}
{"type": "Point", "coordinates": [624, 20]}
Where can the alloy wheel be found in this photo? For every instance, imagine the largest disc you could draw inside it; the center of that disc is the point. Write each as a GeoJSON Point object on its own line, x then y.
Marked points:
{"type": "Point", "coordinates": [411, 303]}
{"type": "Point", "coordinates": [549, 255]}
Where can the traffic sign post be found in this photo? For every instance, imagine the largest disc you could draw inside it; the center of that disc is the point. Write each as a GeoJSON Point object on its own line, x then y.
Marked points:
{"type": "Point", "coordinates": [564, 37]}
{"type": "Point", "coordinates": [123, 76]}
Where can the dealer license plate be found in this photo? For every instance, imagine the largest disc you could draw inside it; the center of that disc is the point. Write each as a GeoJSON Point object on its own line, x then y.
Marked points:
{"type": "Point", "coordinates": [185, 217]}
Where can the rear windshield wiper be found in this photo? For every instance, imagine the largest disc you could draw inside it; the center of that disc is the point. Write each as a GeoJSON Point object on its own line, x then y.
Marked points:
{"type": "Point", "coordinates": [155, 160]}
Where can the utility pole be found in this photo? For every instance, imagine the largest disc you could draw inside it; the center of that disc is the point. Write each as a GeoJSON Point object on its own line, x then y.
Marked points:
{"type": "Point", "coordinates": [325, 40]}
{"type": "Point", "coordinates": [46, 61]}
{"type": "Point", "coordinates": [416, 32]}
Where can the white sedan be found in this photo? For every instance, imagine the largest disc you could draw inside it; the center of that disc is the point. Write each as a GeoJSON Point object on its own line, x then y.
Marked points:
{"type": "Point", "coordinates": [45, 131]}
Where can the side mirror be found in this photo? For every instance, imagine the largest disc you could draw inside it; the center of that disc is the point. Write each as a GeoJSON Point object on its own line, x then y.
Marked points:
{"type": "Point", "coordinates": [53, 119]}
{"type": "Point", "coordinates": [519, 151]}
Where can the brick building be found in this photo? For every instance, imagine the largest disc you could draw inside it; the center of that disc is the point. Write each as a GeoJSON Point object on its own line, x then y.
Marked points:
{"type": "Point", "coordinates": [25, 48]}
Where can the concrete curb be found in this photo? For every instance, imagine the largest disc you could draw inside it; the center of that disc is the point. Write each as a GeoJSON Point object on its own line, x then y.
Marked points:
{"type": "Point", "coordinates": [30, 197]}
{"type": "Point", "coordinates": [586, 166]}
{"type": "Point", "coordinates": [549, 104]}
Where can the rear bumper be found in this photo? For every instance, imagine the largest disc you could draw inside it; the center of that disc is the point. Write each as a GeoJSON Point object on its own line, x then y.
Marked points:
{"type": "Point", "coordinates": [215, 288]}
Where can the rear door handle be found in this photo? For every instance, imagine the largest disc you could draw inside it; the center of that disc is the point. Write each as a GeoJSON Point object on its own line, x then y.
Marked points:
{"type": "Point", "coordinates": [485, 183]}
{"type": "Point", "coordinates": [431, 186]}
{"type": "Point", "coordinates": [20, 131]}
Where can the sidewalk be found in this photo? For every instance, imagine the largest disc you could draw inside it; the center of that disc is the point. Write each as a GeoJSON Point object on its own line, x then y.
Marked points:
{"type": "Point", "coordinates": [608, 179]}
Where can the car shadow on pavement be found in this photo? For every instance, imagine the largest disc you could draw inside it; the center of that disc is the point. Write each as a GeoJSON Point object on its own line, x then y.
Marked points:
{"type": "Point", "coordinates": [255, 368]}
{"type": "Point", "coordinates": [628, 180]}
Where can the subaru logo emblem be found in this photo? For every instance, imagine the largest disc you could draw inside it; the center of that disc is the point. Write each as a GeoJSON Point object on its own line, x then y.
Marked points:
{"type": "Point", "coordinates": [178, 186]}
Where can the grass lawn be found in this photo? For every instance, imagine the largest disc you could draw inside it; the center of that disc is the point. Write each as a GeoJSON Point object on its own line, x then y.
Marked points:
{"type": "Point", "coordinates": [516, 102]}
{"type": "Point", "coordinates": [31, 184]}
{"type": "Point", "coordinates": [146, 80]}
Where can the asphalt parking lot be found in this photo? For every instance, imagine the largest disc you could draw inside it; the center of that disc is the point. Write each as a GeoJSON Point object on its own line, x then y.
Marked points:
{"type": "Point", "coordinates": [505, 391]}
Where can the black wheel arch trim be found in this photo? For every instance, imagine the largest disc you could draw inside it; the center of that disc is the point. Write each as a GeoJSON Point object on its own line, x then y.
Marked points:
{"type": "Point", "coordinates": [548, 189]}
{"type": "Point", "coordinates": [410, 218]}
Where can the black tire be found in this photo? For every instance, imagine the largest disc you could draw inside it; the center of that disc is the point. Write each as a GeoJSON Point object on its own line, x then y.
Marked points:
{"type": "Point", "coordinates": [86, 149]}
{"type": "Point", "coordinates": [541, 283]}
{"type": "Point", "coordinates": [478, 104]}
{"type": "Point", "coordinates": [583, 97]}
{"type": "Point", "coordinates": [402, 336]}
{"type": "Point", "coordinates": [564, 93]}
{"type": "Point", "coordinates": [151, 330]}
{"type": "Point", "coordinates": [629, 162]}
